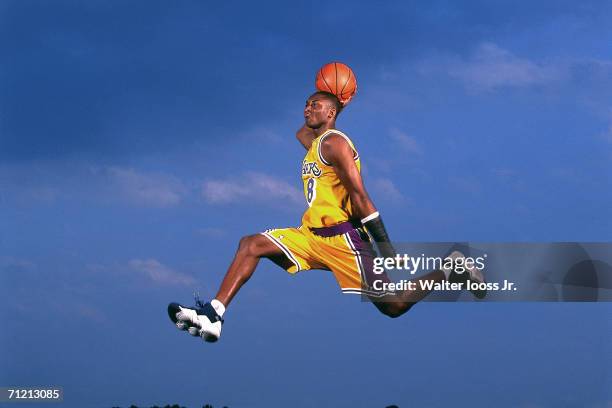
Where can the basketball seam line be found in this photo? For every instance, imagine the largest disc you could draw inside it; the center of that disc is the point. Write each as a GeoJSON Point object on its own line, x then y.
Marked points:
{"type": "Point", "coordinates": [345, 84]}
{"type": "Point", "coordinates": [323, 77]}
{"type": "Point", "coordinates": [336, 71]}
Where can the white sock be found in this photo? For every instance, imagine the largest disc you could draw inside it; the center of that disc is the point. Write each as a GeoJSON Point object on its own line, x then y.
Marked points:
{"type": "Point", "coordinates": [218, 306]}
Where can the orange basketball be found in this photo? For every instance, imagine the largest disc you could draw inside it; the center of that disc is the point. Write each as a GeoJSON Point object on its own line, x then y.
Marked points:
{"type": "Point", "coordinates": [338, 79]}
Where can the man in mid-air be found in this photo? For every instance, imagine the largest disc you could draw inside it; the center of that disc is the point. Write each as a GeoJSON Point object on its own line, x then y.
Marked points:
{"type": "Point", "coordinates": [334, 234]}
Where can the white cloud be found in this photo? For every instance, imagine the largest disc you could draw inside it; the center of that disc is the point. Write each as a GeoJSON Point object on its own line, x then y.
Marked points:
{"type": "Point", "coordinates": [492, 67]}
{"type": "Point", "coordinates": [250, 187]}
{"type": "Point", "coordinates": [149, 189]}
{"type": "Point", "coordinates": [406, 142]}
{"type": "Point", "coordinates": [160, 273]}
{"type": "Point", "coordinates": [263, 134]}
{"type": "Point", "coordinates": [52, 182]}
{"type": "Point", "coordinates": [387, 190]}
{"type": "Point", "coordinates": [133, 186]}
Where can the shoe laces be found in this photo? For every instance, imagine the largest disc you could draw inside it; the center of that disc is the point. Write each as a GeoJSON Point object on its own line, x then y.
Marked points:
{"type": "Point", "coordinates": [198, 301]}
{"type": "Point", "coordinates": [200, 305]}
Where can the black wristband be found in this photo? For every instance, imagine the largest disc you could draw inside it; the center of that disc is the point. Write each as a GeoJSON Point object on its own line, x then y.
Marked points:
{"type": "Point", "coordinates": [377, 230]}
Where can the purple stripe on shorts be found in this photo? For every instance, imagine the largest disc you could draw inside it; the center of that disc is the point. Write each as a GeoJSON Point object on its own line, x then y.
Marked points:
{"type": "Point", "coordinates": [366, 254]}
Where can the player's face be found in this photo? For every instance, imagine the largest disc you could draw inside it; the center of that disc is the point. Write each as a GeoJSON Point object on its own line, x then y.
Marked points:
{"type": "Point", "coordinates": [317, 111]}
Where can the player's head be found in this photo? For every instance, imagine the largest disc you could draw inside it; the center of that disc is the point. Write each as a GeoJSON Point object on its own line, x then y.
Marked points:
{"type": "Point", "coordinates": [321, 108]}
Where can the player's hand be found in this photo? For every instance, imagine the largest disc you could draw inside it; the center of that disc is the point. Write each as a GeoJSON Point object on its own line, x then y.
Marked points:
{"type": "Point", "coordinates": [346, 101]}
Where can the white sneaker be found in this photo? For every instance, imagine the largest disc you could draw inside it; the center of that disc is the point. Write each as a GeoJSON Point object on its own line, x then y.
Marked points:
{"type": "Point", "coordinates": [201, 320]}
{"type": "Point", "coordinates": [473, 274]}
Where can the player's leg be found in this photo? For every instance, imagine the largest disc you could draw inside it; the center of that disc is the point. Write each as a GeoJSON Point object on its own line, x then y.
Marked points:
{"type": "Point", "coordinates": [286, 247]}
{"type": "Point", "coordinates": [351, 259]}
{"type": "Point", "coordinates": [250, 250]}
{"type": "Point", "coordinates": [398, 303]}
{"type": "Point", "coordinates": [351, 255]}
{"type": "Point", "coordinates": [205, 319]}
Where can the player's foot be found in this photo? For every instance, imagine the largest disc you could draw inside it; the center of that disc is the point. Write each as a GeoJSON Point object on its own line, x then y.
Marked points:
{"type": "Point", "coordinates": [201, 320]}
{"type": "Point", "coordinates": [473, 274]}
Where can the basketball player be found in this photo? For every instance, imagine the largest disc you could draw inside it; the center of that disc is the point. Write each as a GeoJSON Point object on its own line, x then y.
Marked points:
{"type": "Point", "coordinates": [332, 235]}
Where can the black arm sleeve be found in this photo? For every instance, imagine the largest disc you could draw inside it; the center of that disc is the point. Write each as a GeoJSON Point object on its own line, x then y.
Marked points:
{"type": "Point", "coordinates": [376, 228]}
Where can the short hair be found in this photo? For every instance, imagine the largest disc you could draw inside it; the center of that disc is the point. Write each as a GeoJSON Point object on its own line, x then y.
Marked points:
{"type": "Point", "coordinates": [333, 99]}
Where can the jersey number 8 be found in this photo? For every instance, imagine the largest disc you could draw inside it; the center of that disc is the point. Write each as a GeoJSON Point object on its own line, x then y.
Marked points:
{"type": "Point", "coordinates": [311, 191]}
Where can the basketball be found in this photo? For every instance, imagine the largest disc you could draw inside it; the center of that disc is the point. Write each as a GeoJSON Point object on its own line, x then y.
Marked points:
{"type": "Point", "coordinates": [338, 79]}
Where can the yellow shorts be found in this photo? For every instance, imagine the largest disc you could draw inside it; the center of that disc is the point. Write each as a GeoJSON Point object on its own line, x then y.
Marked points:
{"type": "Point", "coordinates": [349, 256]}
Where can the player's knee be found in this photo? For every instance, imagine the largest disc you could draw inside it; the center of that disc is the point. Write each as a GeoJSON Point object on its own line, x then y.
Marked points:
{"type": "Point", "coordinates": [246, 245]}
{"type": "Point", "coordinates": [249, 245]}
{"type": "Point", "coordinates": [392, 312]}
{"type": "Point", "coordinates": [244, 241]}
{"type": "Point", "coordinates": [395, 309]}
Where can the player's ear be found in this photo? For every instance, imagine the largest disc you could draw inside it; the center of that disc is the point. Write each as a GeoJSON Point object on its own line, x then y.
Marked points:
{"type": "Point", "coordinates": [332, 112]}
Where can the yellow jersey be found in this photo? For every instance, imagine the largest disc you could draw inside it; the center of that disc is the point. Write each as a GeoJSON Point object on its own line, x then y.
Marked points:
{"type": "Point", "coordinates": [328, 201]}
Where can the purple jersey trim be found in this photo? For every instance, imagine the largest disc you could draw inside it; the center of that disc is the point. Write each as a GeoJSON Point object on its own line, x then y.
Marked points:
{"type": "Point", "coordinates": [338, 229]}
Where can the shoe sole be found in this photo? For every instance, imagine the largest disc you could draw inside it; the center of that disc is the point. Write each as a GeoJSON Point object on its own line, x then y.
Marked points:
{"type": "Point", "coordinates": [173, 309]}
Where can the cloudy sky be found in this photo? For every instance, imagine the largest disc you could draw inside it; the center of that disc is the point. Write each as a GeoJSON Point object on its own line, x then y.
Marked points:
{"type": "Point", "coordinates": [140, 140]}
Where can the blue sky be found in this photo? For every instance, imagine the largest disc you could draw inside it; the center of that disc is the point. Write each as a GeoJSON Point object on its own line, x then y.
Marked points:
{"type": "Point", "coordinates": [139, 141]}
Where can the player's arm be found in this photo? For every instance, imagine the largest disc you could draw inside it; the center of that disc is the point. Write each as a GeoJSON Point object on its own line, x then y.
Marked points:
{"type": "Point", "coordinates": [305, 135]}
{"type": "Point", "coordinates": [336, 150]}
